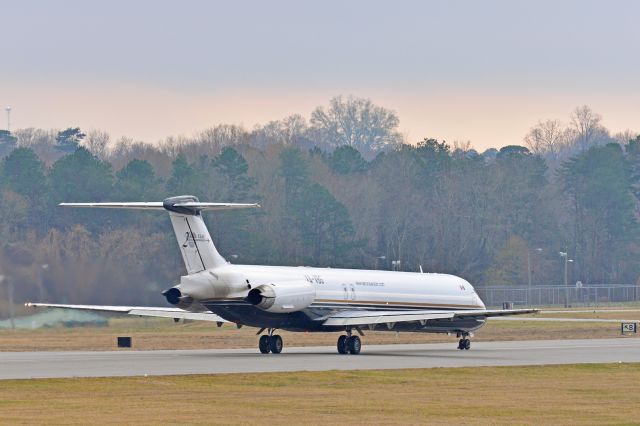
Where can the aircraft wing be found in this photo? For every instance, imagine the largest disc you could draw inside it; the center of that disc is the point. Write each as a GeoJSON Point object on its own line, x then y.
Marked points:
{"type": "Point", "coordinates": [508, 315]}
{"type": "Point", "coordinates": [550, 319]}
{"type": "Point", "coordinates": [141, 311]}
{"type": "Point", "coordinates": [362, 317]}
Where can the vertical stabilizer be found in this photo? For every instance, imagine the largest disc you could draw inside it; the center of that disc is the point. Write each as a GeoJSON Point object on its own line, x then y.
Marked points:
{"type": "Point", "coordinates": [194, 241]}
{"type": "Point", "coordinates": [196, 246]}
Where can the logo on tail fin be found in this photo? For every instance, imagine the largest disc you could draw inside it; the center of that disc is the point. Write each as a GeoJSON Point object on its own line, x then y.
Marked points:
{"type": "Point", "coordinates": [188, 240]}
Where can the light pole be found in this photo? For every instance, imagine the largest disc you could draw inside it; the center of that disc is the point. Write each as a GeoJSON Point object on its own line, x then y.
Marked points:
{"type": "Point", "coordinates": [10, 297]}
{"type": "Point", "coordinates": [539, 250]}
{"type": "Point", "coordinates": [566, 284]}
{"type": "Point", "coordinates": [8, 109]}
{"type": "Point", "coordinates": [396, 265]}
{"type": "Point", "coordinates": [43, 273]}
{"type": "Point", "coordinates": [379, 258]}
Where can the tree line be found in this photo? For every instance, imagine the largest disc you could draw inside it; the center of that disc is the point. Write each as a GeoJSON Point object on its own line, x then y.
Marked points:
{"type": "Point", "coordinates": [342, 190]}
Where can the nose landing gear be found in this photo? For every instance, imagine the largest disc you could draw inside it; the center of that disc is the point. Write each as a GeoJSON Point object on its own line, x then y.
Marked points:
{"type": "Point", "coordinates": [464, 343]}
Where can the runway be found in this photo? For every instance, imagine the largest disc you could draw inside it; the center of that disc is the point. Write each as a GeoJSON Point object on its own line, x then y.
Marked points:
{"type": "Point", "coordinates": [23, 365]}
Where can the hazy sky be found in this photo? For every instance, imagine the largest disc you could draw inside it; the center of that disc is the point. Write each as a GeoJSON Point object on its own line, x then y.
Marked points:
{"type": "Point", "coordinates": [483, 71]}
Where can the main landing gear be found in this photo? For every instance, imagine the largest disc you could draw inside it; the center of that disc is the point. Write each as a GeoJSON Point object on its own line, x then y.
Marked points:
{"type": "Point", "coordinates": [349, 344]}
{"type": "Point", "coordinates": [270, 343]}
{"type": "Point", "coordinates": [464, 343]}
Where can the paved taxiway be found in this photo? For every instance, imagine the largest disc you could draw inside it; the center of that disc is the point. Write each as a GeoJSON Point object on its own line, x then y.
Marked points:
{"type": "Point", "coordinates": [21, 365]}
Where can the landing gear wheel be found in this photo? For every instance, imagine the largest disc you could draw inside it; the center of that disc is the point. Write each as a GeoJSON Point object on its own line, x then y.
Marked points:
{"type": "Point", "coordinates": [354, 344]}
{"type": "Point", "coordinates": [342, 345]}
{"type": "Point", "coordinates": [275, 344]}
{"type": "Point", "coordinates": [263, 344]}
{"type": "Point", "coordinates": [464, 344]}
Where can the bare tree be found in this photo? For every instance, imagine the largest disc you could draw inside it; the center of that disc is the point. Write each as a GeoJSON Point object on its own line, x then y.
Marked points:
{"type": "Point", "coordinates": [283, 132]}
{"type": "Point", "coordinates": [588, 130]}
{"type": "Point", "coordinates": [126, 149]}
{"type": "Point", "coordinates": [216, 138]}
{"type": "Point", "coordinates": [173, 145]}
{"type": "Point", "coordinates": [462, 149]}
{"type": "Point", "coordinates": [547, 138]}
{"type": "Point", "coordinates": [34, 137]}
{"type": "Point", "coordinates": [96, 142]}
{"type": "Point", "coordinates": [356, 122]}
{"type": "Point", "coordinates": [623, 138]}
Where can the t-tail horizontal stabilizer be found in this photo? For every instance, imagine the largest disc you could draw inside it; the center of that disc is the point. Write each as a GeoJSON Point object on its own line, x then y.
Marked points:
{"type": "Point", "coordinates": [196, 206]}
{"type": "Point", "coordinates": [196, 246]}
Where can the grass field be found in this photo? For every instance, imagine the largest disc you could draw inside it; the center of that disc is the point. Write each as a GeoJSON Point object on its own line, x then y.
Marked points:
{"type": "Point", "coordinates": [582, 394]}
{"type": "Point", "coordinates": [165, 334]}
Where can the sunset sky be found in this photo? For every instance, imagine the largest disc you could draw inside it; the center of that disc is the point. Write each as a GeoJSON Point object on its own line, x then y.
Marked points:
{"type": "Point", "coordinates": [454, 70]}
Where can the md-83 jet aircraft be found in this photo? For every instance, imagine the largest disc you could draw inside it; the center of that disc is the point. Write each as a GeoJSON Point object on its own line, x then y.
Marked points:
{"type": "Point", "coordinates": [301, 298]}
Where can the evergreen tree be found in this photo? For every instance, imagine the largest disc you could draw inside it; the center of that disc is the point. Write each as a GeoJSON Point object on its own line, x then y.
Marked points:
{"type": "Point", "coordinates": [233, 167]}
{"type": "Point", "coordinates": [23, 173]}
{"type": "Point", "coordinates": [185, 179]}
{"type": "Point", "coordinates": [599, 182]}
{"type": "Point", "coordinates": [80, 177]}
{"type": "Point", "coordinates": [325, 226]}
{"type": "Point", "coordinates": [294, 169]}
{"type": "Point", "coordinates": [68, 140]}
{"type": "Point", "coordinates": [137, 181]}
{"type": "Point", "coordinates": [232, 228]}
{"type": "Point", "coordinates": [7, 142]}
{"type": "Point", "coordinates": [346, 160]}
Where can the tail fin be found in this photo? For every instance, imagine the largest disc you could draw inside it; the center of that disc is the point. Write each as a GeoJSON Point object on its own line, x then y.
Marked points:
{"type": "Point", "coordinates": [196, 246]}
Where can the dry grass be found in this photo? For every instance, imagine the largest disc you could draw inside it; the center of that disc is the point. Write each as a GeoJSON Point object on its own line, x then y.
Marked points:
{"type": "Point", "coordinates": [580, 394]}
{"type": "Point", "coordinates": [165, 334]}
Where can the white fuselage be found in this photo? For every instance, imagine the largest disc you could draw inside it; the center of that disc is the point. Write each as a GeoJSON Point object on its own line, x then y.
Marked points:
{"type": "Point", "coordinates": [224, 290]}
{"type": "Point", "coordinates": [340, 287]}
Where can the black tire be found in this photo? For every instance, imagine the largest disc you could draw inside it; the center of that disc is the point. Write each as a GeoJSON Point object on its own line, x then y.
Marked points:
{"type": "Point", "coordinates": [467, 344]}
{"type": "Point", "coordinates": [461, 344]}
{"type": "Point", "coordinates": [263, 344]}
{"type": "Point", "coordinates": [275, 344]}
{"type": "Point", "coordinates": [354, 345]}
{"type": "Point", "coordinates": [342, 345]}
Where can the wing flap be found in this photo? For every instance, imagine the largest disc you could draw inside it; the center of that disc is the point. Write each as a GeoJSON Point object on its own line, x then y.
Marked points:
{"type": "Point", "coordinates": [358, 317]}
{"type": "Point", "coordinates": [195, 316]}
{"type": "Point", "coordinates": [488, 313]}
{"type": "Point", "coordinates": [380, 317]}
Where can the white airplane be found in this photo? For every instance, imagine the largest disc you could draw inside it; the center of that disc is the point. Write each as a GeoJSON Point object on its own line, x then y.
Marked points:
{"type": "Point", "coordinates": [301, 298]}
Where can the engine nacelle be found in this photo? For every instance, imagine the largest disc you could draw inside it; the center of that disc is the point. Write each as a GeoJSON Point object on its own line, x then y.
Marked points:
{"type": "Point", "coordinates": [176, 298]}
{"type": "Point", "coordinates": [282, 297]}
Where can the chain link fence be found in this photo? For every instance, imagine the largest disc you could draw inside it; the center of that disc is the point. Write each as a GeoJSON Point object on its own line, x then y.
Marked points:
{"type": "Point", "coordinates": [553, 295]}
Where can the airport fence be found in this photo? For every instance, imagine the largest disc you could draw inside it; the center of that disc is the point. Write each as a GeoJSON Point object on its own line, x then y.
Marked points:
{"type": "Point", "coordinates": [554, 295]}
